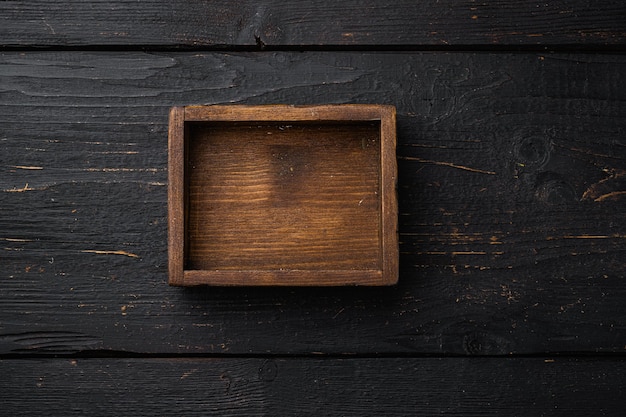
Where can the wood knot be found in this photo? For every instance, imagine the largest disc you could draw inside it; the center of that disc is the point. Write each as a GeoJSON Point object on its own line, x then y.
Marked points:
{"type": "Point", "coordinates": [552, 189]}
{"type": "Point", "coordinates": [268, 371]}
{"type": "Point", "coordinates": [472, 344]}
{"type": "Point", "coordinates": [532, 152]}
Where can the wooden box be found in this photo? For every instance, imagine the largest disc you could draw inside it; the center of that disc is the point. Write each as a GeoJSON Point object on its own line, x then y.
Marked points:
{"type": "Point", "coordinates": [282, 195]}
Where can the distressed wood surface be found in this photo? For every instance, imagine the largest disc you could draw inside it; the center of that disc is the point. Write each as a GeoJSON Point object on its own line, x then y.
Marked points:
{"type": "Point", "coordinates": [272, 23]}
{"type": "Point", "coordinates": [512, 188]}
{"type": "Point", "coordinates": [511, 195]}
{"type": "Point", "coordinates": [307, 386]}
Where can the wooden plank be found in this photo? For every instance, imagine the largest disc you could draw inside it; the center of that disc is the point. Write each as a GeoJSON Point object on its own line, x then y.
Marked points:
{"type": "Point", "coordinates": [345, 387]}
{"type": "Point", "coordinates": [511, 195]}
{"type": "Point", "coordinates": [278, 113]}
{"type": "Point", "coordinates": [271, 23]}
{"type": "Point", "coordinates": [175, 193]}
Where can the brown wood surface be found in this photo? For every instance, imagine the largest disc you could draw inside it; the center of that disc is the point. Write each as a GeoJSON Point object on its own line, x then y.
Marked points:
{"type": "Point", "coordinates": [272, 193]}
{"type": "Point", "coordinates": [284, 196]}
{"type": "Point", "coordinates": [176, 196]}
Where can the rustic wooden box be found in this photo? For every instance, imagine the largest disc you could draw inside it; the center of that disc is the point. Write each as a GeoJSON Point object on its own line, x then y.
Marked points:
{"type": "Point", "coordinates": [282, 195]}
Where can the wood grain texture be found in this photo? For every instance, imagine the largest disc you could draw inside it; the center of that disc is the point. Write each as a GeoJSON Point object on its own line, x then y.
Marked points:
{"type": "Point", "coordinates": [176, 245]}
{"type": "Point", "coordinates": [325, 387]}
{"type": "Point", "coordinates": [511, 195]}
{"type": "Point", "coordinates": [389, 196]}
{"type": "Point", "coordinates": [273, 23]}
{"type": "Point", "coordinates": [284, 195]}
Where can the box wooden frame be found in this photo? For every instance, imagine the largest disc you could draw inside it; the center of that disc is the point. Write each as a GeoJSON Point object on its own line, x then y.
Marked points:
{"type": "Point", "coordinates": [385, 274]}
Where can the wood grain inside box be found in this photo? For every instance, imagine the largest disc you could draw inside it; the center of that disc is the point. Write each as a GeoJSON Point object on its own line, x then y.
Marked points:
{"type": "Point", "coordinates": [283, 196]}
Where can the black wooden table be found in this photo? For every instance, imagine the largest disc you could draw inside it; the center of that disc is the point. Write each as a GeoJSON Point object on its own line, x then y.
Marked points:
{"type": "Point", "coordinates": [512, 192]}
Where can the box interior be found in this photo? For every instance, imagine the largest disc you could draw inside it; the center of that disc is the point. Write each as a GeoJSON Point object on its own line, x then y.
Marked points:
{"type": "Point", "coordinates": [282, 196]}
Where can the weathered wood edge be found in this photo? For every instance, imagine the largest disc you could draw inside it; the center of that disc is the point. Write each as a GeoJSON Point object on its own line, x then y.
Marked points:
{"type": "Point", "coordinates": [283, 112]}
{"type": "Point", "coordinates": [176, 192]}
{"type": "Point", "coordinates": [284, 278]}
{"type": "Point", "coordinates": [389, 197]}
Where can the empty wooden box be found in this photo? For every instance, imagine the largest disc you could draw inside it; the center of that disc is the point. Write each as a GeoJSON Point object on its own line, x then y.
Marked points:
{"type": "Point", "coordinates": [282, 195]}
